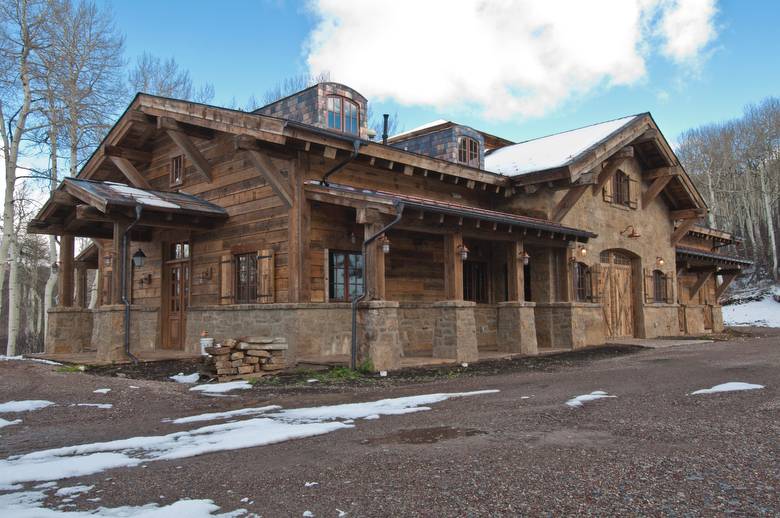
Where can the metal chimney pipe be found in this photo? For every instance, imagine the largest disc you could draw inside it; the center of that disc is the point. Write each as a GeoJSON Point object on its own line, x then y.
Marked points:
{"type": "Point", "coordinates": [384, 128]}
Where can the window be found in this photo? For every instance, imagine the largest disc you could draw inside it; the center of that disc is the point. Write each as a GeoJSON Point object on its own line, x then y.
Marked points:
{"type": "Point", "coordinates": [343, 115]}
{"type": "Point", "coordinates": [345, 275]}
{"type": "Point", "coordinates": [621, 190]}
{"type": "Point", "coordinates": [180, 250]}
{"type": "Point", "coordinates": [246, 278]}
{"type": "Point", "coordinates": [583, 291]}
{"type": "Point", "coordinates": [468, 151]}
{"type": "Point", "coordinates": [659, 286]}
{"type": "Point", "coordinates": [475, 282]}
{"type": "Point", "coordinates": [177, 170]}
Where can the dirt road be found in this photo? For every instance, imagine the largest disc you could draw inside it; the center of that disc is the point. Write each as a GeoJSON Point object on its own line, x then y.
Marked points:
{"type": "Point", "coordinates": [652, 449]}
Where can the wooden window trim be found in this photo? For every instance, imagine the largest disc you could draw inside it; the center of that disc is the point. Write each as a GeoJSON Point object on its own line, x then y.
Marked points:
{"type": "Point", "coordinates": [582, 282]}
{"type": "Point", "coordinates": [342, 114]}
{"type": "Point", "coordinates": [173, 180]}
{"type": "Point", "coordinates": [346, 279]}
{"type": "Point", "coordinates": [249, 289]}
{"type": "Point", "coordinates": [476, 282]}
{"type": "Point", "coordinates": [660, 287]}
{"type": "Point", "coordinates": [468, 151]}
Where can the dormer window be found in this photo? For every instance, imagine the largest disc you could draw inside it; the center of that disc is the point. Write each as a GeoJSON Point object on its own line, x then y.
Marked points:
{"type": "Point", "coordinates": [343, 115]}
{"type": "Point", "coordinates": [468, 151]}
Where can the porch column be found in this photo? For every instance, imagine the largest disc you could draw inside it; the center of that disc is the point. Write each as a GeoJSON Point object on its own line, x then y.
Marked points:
{"type": "Point", "coordinates": [515, 272]}
{"type": "Point", "coordinates": [65, 290]}
{"type": "Point", "coordinates": [81, 285]}
{"type": "Point", "coordinates": [453, 266]}
{"type": "Point", "coordinates": [116, 264]}
{"type": "Point", "coordinates": [299, 224]}
{"type": "Point", "coordinates": [375, 259]}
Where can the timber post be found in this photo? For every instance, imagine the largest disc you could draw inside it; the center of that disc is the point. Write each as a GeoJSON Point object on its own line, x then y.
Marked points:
{"type": "Point", "coordinates": [65, 290]}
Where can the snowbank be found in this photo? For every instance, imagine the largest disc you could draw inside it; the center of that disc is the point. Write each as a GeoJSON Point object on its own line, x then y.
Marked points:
{"type": "Point", "coordinates": [577, 402]}
{"type": "Point", "coordinates": [761, 313]}
{"type": "Point", "coordinates": [24, 406]}
{"type": "Point", "coordinates": [731, 386]}
{"type": "Point", "coordinates": [220, 388]}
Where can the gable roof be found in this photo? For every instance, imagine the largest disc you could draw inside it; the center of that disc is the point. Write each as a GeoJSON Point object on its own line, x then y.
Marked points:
{"type": "Point", "coordinates": [552, 151]}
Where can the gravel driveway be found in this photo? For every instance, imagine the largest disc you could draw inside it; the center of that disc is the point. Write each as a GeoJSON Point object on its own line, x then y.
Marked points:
{"type": "Point", "coordinates": [652, 449]}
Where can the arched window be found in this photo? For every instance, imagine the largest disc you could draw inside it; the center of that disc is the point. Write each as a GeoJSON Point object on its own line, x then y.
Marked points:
{"type": "Point", "coordinates": [621, 189]}
{"type": "Point", "coordinates": [468, 151]}
{"type": "Point", "coordinates": [343, 114]}
{"type": "Point", "coordinates": [583, 285]}
{"type": "Point", "coordinates": [659, 286]}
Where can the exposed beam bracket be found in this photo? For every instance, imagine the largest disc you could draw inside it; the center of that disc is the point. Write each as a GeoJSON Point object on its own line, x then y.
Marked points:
{"type": "Point", "coordinates": [190, 150]}
{"type": "Point", "coordinates": [130, 172]}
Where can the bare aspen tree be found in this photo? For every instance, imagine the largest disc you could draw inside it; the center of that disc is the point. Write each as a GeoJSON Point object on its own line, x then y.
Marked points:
{"type": "Point", "coordinates": [166, 78]}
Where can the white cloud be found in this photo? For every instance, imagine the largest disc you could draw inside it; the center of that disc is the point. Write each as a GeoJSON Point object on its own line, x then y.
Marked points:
{"type": "Point", "coordinates": [505, 58]}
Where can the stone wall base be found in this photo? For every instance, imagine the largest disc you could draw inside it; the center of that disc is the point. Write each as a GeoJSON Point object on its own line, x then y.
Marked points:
{"type": "Point", "coordinates": [694, 319]}
{"type": "Point", "coordinates": [378, 337]}
{"type": "Point", "coordinates": [69, 330]}
{"type": "Point", "coordinates": [108, 331]}
{"type": "Point", "coordinates": [516, 328]}
{"type": "Point", "coordinates": [569, 325]}
{"type": "Point", "coordinates": [661, 320]}
{"type": "Point", "coordinates": [455, 331]}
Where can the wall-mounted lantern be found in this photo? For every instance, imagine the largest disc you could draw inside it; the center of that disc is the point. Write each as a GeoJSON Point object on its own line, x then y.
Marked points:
{"type": "Point", "coordinates": [138, 258]}
{"type": "Point", "coordinates": [630, 232]}
{"type": "Point", "coordinates": [659, 261]}
{"type": "Point", "coordinates": [583, 251]}
{"type": "Point", "coordinates": [385, 244]}
{"type": "Point", "coordinates": [107, 260]}
{"type": "Point", "coordinates": [463, 251]}
{"type": "Point", "coordinates": [525, 257]}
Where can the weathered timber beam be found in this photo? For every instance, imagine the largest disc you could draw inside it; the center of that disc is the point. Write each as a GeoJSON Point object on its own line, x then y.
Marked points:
{"type": "Point", "coordinates": [176, 132]}
{"type": "Point", "coordinates": [130, 172]}
{"type": "Point", "coordinates": [128, 153]}
{"type": "Point", "coordinates": [654, 190]}
{"type": "Point", "coordinates": [721, 289]}
{"type": "Point", "coordinates": [681, 230]}
{"type": "Point", "coordinates": [611, 168]}
{"type": "Point", "coordinates": [652, 174]}
{"type": "Point", "coordinates": [63, 198]}
{"type": "Point", "coordinates": [687, 213]}
{"type": "Point", "coordinates": [279, 184]}
{"type": "Point", "coordinates": [702, 278]}
{"type": "Point", "coordinates": [568, 202]}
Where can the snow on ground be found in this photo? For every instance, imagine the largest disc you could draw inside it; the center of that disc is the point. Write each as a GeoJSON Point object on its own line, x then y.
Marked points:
{"type": "Point", "coordinates": [219, 388]}
{"type": "Point", "coordinates": [186, 378]}
{"type": "Point", "coordinates": [731, 386]}
{"type": "Point", "coordinates": [102, 391]}
{"type": "Point", "coordinates": [274, 427]}
{"type": "Point", "coordinates": [73, 490]}
{"type": "Point", "coordinates": [104, 406]}
{"type": "Point", "coordinates": [578, 401]}
{"type": "Point", "coordinates": [224, 415]}
{"type": "Point", "coordinates": [24, 406]}
{"type": "Point", "coordinates": [29, 504]}
{"type": "Point", "coordinates": [4, 358]}
{"type": "Point", "coordinates": [762, 313]}
{"type": "Point", "coordinates": [5, 422]}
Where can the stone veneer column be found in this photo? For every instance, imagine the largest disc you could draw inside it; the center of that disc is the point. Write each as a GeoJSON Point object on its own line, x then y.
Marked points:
{"type": "Point", "coordinates": [379, 340]}
{"type": "Point", "coordinates": [455, 331]}
{"type": "Point", "coordinates": [517, 328]}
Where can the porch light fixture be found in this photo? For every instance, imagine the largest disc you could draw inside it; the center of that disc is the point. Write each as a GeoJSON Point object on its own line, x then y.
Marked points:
{"type": "Point", "coordinates": [659, 261]}
{"type": "Point", "coordinates": [463, 251]}
{"type": "Point", "coordinates": [525, 257]}
{"type": "Point", "coordinates": [107, 260]}
{"type": "Point", "coordinates": [138, 258]}
{"type": "Point", "coordinates": [385, 244]}
{"type": "Point", "coordinates": [583, 251]}
{"type": "Point", "coordinates": [630, 232]}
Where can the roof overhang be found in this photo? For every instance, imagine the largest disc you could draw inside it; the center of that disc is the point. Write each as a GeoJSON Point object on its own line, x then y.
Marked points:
{"type": "Point", "coordinates": [692, 259]}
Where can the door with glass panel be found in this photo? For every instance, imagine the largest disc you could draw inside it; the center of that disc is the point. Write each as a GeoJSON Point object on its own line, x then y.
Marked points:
{"type": "Point", "coordinates": [176, 294]}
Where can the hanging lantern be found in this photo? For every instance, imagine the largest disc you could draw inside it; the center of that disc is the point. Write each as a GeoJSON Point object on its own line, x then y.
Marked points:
{"type": "Point", "coordinates": [660, 261]}
{"type": "Point", "coordinates": [583, 251]}
{"type": "Point", "coordinates": [526, 258]}
{"type": "Point", "coordinates": [463, 251]}
{"type": "Point", "coordinates": [385, 245]}
{"type": "Point", "coordinates": [138, 258]}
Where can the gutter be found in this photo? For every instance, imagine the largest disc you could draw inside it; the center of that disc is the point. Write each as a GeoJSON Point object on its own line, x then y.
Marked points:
{"type": "Point", "coordinates": [399, 207]}
{"type": "Point", "coordinates": [356, 145]}
{"type": "Point", "coordinates": [123, 269]}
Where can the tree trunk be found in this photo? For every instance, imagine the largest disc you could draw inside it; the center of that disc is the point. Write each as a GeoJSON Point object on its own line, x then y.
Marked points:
{"type": "Point", "coordinates": [770, 224]}
{"type": "Point", "coordinates": [13, 299]}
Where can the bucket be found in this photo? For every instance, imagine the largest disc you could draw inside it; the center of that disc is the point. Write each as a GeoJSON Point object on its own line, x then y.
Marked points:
{"type": "Point", "coordinates": [205, 341]}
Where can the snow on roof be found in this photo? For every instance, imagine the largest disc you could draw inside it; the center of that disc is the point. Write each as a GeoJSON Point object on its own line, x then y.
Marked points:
{"type": "Point", "coordinates": [141, 196]}
{"type": "Point", "coordinates": [427, 125]}
{"type": "Point", "coordinates": [552, 151]}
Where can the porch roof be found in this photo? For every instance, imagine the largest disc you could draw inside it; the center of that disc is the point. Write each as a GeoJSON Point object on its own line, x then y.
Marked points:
{"type": "Point", "coordinates": [370, 197]}
{"type": "Point", "coordinates": [89, 208]}
{"type": "Point", "coordinates": [713, 258]}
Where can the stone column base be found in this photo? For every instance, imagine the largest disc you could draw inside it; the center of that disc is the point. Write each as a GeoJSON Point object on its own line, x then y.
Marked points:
{"type": "Point", "coordinates": [378, 338]}
{"type": "Point", "coordinates": [517, 328]}
{"type": "Point", "coordinates": [455, 331]}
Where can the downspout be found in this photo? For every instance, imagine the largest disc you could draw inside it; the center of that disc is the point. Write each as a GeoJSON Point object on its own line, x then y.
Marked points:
{"type": "Point", "coordinates": [125, 301]}
{"type": "Point", "coordinates": [399, 208]}
{"type": "Point", "coordinates": [356, 144]}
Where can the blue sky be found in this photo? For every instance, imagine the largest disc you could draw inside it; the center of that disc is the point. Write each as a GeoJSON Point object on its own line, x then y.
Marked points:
{"type": "Point", "coordinates": [245, 47]}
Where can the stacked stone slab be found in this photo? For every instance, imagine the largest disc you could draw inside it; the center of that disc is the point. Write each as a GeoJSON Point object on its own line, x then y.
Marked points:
{"type": "Point", "coordinates": [247, 357]}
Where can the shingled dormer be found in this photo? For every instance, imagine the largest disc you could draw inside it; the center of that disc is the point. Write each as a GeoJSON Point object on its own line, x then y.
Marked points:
{"type": "Point", "coordinates": [330, 106]}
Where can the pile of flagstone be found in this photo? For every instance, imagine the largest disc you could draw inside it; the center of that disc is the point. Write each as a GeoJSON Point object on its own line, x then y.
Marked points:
{"type": "Point", "coordinates": [247, 357]}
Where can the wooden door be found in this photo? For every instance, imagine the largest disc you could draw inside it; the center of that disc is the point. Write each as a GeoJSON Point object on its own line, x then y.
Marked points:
{"type": "Point", "coordinates": [617, 298]}
{"type": "Point", "coordinates": [176, 300]}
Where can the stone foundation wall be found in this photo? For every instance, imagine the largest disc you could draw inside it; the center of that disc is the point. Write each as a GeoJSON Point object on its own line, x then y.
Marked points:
{"type": "Point", "coordinates": [569, 325]}
{"type": "Point", "coordinates": [316, 329]}
{"type": "Point", "coordinates": [69, 330]}
{"type": "Point", "coordinates": [717, 319]}
{"type": "Point", "coordinates": [416, 322]}
{"type": "Point", "coordinates": [454, 335]}
{"type": "Point", "coordinates": [661, 320]}
{"type": "Point", "coordinates": [694, 319]}
{"type": "Point", "coordinates": [486, 318]}
{"type": "Point", "coordinates": [108, 331]}
{"type": "Point", "coordinates": [378, 340]}
{"type": "Point", "coordinates": [516, 328]}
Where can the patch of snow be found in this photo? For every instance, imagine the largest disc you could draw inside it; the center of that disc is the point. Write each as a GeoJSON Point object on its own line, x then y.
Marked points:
{"type": "Point", "coordinates": [4, 358]}
{"type": "Point", "coordinates": [552, 151]}
{"type": "Point", "coordinates": [46, 485]}
{"type": "Point", "coordinates": [5, 422]}
{"type": "Point", "coordinates": [133, 387]}
{"type": "Point", "coordinates": [220, 388]}
{"type": "Point", "coordinates": [280, 426]}
{"type": "Point", "coordinates": [312, 381]}
{"type": "Point", "coordinates": [104, 406]}
{"type": "Point", "coordinates": [371, 417]}
{"type": "Point", "coordinates": [731, 386]}
{"type": "Point", "coordinates": [29, 504]}
{"type": "Point", "coordinates": [341, 513]}
{"type": "Point", "coordinates": [427, 125]}
{"type": "Point", "coordinates": [186, 378]}
{"type": "Point", "coordinates": [223, 415]}
{"type": "Point", "coordinates": [760, 313]}
{"type": "Point", "coordinates": [73, 490]}
{"type": "Point", "coordinates": [579, 400]}
{"type": "Point", "coordinates": [102, 391]}
{"type": "Point", "coordinates": [24, 406]}
{"type": "Point", "coordinates": [143, 197]}
{"type": "Point", "coordinates": [308, 514]}
{"type": "Point", "coordinates": [311, 484]}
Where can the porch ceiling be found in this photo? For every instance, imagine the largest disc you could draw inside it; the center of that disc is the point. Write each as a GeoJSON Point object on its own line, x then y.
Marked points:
{"type": "Point", "coordinates": [385, 202]}
{"type": "Point", "coordinates": [88, 208]}
{"type": "Point", "coordinates": [693, 259]}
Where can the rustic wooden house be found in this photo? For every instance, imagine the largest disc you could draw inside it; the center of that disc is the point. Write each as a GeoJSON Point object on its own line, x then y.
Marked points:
{"type": "Point", "coordinates": [445, 243]}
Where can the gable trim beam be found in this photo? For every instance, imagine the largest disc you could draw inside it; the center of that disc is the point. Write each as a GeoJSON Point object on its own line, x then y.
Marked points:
{"type": "Point", "coordinates": [682, 229]}
{"type": "Point", "coordinates": [279, 184]}
{"type": "Point", "coordinates": [613, 165]}
{"type": "Point", "coordinates": [190, 150]}
{"type": "Point", "coordinates": [130, 172]}
{"type": "Point", "coordinates": [654, 190]}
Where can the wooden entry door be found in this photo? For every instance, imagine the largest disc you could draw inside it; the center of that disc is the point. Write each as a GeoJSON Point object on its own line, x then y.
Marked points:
{"type": "Point", "coordinates": [176, 296]}
{"type": "Point", "coordinates": [617, 297]}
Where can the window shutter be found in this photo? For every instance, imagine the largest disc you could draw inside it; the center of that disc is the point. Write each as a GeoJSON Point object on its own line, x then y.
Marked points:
{"type": "Point", "coordinates": [633, 193]}
{"type": "Point", "coordinates": [265, 276]}
{"type": "Point", "coordinates": [597, 283]}
{"type": "Point", "coordinates": [648, 286]}
{"type": "Point", "coordinates": [607, 191]}
{"type": "Point", "coordinates": [326, 274]}
{"type": "Point", "coordinates": [226, 279]}
{"type": "Point", "coordinates": [669, 278]}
